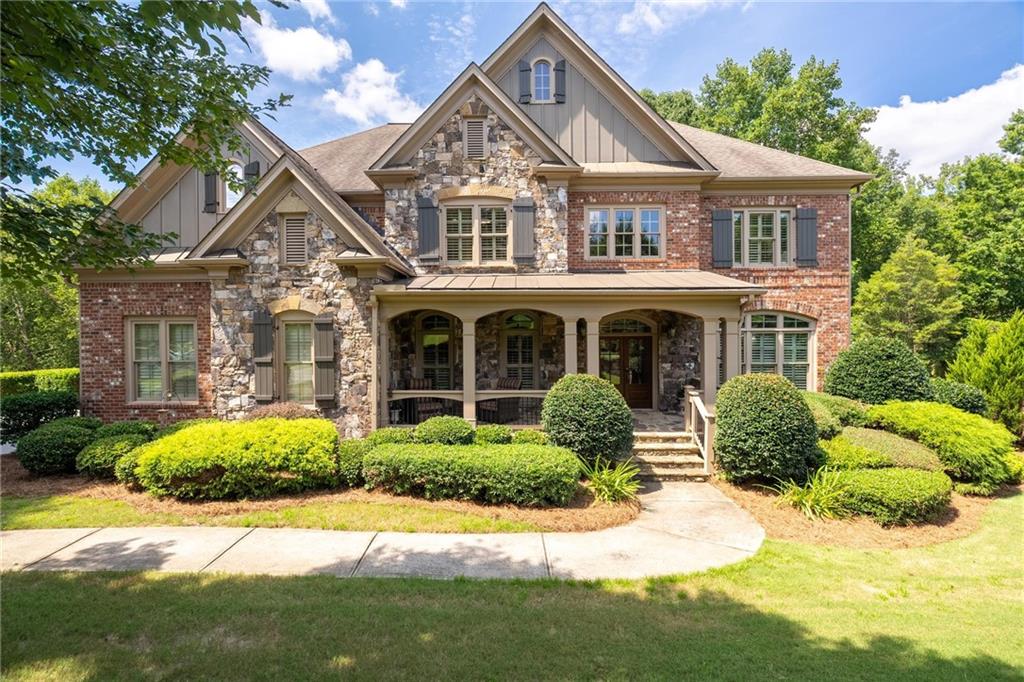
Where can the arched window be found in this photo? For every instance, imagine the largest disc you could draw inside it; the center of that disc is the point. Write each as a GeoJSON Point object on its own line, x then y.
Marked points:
{"type": "Point", "coordinates": [541, 81]}
{"type": "Point", "coordinates": [625, 325]}
{"type": "Point", "coordinates": [520, 340]}
{"type": "Point", "coordinates": [434, 337]}
{"type": "Point", "coordinates": [779, 343]}
{"type": "Point", "coordinates": [232, 196]}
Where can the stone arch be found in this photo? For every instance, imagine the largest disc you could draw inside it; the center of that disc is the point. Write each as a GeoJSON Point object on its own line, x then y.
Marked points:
{"type": "Point", "coordinates": [294, 303]}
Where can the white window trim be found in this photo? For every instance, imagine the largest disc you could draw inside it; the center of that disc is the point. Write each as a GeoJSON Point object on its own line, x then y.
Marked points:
{"type": "Point", "coordinates": [477, 236]}
{"type": "Point", "coordinates": [129, 336]}
{"type": "Point", "coordinates": [292, 317]}
{"type": "Point", "coordinates": [744, 261]}
{"type": "Point", "coordinates": [503, 343]}
{"type": "Point", "coordinates": [636, 208]}
{"type": "Point", "coordinates": [551, 81]}
{"type": "Point", "coordinates": [746, 331]}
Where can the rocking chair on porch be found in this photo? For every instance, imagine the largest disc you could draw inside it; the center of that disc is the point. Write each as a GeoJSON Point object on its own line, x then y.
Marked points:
{"type": "Point", "coordinates": [425, 407]}
{"type": "Point", "coordinates": [501, 410]}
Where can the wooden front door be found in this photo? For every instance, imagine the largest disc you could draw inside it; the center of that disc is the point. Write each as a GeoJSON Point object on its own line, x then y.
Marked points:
{"type": "Point", "coordinates": [626, 362]}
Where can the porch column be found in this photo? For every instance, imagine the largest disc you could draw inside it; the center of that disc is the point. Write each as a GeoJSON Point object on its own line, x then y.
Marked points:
{"type": "Point", "coordinates": [570, 345]}
{"type": "Point", "coordinates": [469, 369]}
{"type": "Point", "coordinates": [732, 347]}
{"type": "Point", "coordinates": [709, 360]}
{"type": "Point", "coordinates": [593, 354]}
{"type": "Point", "coordinates": [383, 372]}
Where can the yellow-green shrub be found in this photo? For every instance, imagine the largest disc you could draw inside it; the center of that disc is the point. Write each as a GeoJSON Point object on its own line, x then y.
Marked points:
{"type": "Point", "coordinates": [857, 448]}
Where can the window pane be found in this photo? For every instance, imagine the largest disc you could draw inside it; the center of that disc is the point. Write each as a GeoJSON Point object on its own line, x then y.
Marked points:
{"type": "Point", "coordinates": [298, 342]}
{"type": "Point", "coordinates": [796, 373]}
{"type": "Point", "coordinates": [794, 347]}
{"type": "Point", "coordinates": [460, 248]}
{"type": "Point", "coordinates": [436, 322]}
{"type": "Point", "coordinates": [298, 379]}
{"type": "Point", "coordinates": [784, 236]}
{"type": "Point", "coordinates": [795, 323]}
{"type": "Point", "coordinates": [183, 381]}
{"type": "Point", "coordinates": [436, 349]}
{"type": "Point", "coordinates": [624, 233]}
{"type": "Point", "coordinates": [182, 340]}
{"type": "Point", "coordinates": [737, 237]}
{"type": "Point", "coordinates": [147, 342]}
{"type": "Point", "coordinates": [597, 229]}
{"type": "Point", "coordinates": [493, 221]}
{"type": "Point", "coordinates": [762, 353]}
{"type": "Point", "coordinates": [542, 81]}
{"type": "Point", "coordinates": [459, 220]}
{"type": "Point", "coordinates": [519, 321]}
{"type": "Point", "coordinates": [148, 385]}
{"type": "Point", "coordinates": [440, 378]}
{"type": "Point", "coordinates": [650, 232]}
{"type": "Point", "coordinates": [231, 196]}
{"type": "Point", "coordinates": [763, 321]}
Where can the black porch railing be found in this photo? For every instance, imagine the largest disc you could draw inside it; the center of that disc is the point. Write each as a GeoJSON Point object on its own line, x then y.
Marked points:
{"type": "Point", "coordinates": [413, 411]}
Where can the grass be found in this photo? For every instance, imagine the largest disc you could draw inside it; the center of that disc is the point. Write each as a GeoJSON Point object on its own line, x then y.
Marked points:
{"type": "Point", "coordinates": [944, 612]}
{"type": "Point", "coordinates": [70, 511]}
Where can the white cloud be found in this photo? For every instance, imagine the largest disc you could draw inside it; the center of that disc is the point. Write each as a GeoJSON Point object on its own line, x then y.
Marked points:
{"type": "Point", "coordinates": [453, 38]}
{"type": "Point", "coordinates": [928, 134]}
{"type": "Point", "coordinates": [372, 9]}
{"type": "Point", "coordinates": [399, 4]}
{"type": "Point", "coordinates": [370, 94]}
{"type": "Point", "coordinates": [301, 53]}
{"type": "Point", "coordinates": [656, 16]}
{"type": "Point", "coordinates": [317, 9]}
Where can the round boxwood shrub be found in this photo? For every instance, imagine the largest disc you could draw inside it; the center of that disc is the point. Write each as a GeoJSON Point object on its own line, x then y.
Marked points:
{"type": "Point", "coordinates": [589, 416]}
{"type": "Point", "coordinates": [445, 431]}
{"type": "Point", "coordinates": [496, 434]}
{"type": "Point", "coordinates": [531, 436]}
{"type": "Point", "coordinates": [390, 434]}
{"type": "Point", "coordinates": [764, 430]}
{"type": "Point", "coordinates": [124, 468]}
{"type": "Point", "coordinates": [133, 427]}
{"type": "Point", "coordinates": [963, 396]}
{"type": "Point", "coordinates": [877, 369]}
{"type": "Point", "coordinates": [52, 449]}
{"type": "Point", "coordinates": [100, 458]}
{"type": "Point", "coordinates": [896, 496]}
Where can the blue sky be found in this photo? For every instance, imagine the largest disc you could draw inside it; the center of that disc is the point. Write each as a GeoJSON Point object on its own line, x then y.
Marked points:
{"type": "Point", "coordinates": [946, 75]}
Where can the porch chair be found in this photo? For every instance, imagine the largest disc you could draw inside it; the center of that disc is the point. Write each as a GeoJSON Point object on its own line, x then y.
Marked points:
{"type": "Point", "coordinates": [425, 408]}
{"type": "Point", "coordinates": [501, 410]}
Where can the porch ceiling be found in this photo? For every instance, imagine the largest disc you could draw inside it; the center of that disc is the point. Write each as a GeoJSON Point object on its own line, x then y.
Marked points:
{"type": "Point", "coordinates": [674, 281]}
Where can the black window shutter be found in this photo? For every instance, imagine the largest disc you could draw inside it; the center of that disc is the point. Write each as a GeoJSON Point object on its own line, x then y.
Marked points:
{"type": "Point", "coordinates": [560, 81]}
{"type": "Point", "coordinates": [263, 354]}
{"type": "Point", "coordinates": [252, 171]}
{"type": "Point", "coordinates": [523, 223]}
{"type": "Point", "coordinates": [806, 237]}
{"type": "Point", "coordinates": [721, 237]}
{"type": "Point", "coordinates": [524, 81]}
{"type": "Point", "coordinates": [210, 193]}
{"type": "Point", "coordinates": [323, 357]}
{"type": "Point", "coordinates": [429, 232]}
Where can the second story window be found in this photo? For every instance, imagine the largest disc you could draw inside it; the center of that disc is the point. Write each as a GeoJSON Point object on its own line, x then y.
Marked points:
{"type": "Point", "coordinates": [541, 81]}
{"type": "Point", "coordinates": [762, 236]}
{"type": "Point", "coordinates": [476, 234]}
{"type": "Point", "coordinates": [625, 232]}
{"type": "Point", "coordinates": [232, 196]}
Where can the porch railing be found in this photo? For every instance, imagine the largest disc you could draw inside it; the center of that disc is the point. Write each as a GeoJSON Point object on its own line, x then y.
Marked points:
{"type": "Point", "coordinates": [700, 422]}
{"type": "Point", "coordinates": [512, 407]}
{"type": "Point", "coordinates": [408, 407]}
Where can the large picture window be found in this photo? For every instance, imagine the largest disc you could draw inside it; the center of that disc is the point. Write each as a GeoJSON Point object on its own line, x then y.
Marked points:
{"type": "Point", "coordinates": [625, 232]}
{"type": "Point", "coordinates": [778, 343]}
{"type": "Point", "coordinates": [163, 361]}
{"type": "Point", "coordinates": [762, 236]}
{"type": "Point", "coordinates": [476, 234]}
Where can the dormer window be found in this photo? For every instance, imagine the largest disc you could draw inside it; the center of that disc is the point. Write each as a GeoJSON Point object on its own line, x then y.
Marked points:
{"type": "Point", "coordinates": [541, 81]}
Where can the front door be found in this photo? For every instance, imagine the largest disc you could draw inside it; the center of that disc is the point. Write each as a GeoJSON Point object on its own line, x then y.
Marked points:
{"type": "Point", "coordinates": [626, 362]}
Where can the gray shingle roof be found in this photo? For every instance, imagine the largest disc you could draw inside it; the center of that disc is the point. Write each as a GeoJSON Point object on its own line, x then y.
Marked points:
{"type": "Point", "coordinates": [342, 162]}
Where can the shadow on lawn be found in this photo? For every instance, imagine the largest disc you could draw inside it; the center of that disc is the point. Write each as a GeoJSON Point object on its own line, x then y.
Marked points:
{"type": "Point", "coordinates": [308, 628]}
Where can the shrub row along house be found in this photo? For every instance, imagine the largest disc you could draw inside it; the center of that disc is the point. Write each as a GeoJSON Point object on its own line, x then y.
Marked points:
{"type": "Point", "coordinates": [537, 219]}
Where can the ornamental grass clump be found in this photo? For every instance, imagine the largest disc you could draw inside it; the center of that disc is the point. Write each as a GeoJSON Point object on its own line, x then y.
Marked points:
{"type": "Point", "coordinates": [612, 481]}
{"type": "Point", "coordinates": [589, 416]}
{"type": "Point", "coordinates": [821, 497]}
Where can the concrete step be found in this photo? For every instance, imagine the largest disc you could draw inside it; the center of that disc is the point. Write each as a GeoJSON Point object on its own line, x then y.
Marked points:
{"type": "Point", "coordinates": [672, 474]}
{"type": "Point", "coordinates": [668, 461]}
{"type": "Point", "coordinates": [662, 436]}
{"type": "Point", "coordinates": [665, 447]}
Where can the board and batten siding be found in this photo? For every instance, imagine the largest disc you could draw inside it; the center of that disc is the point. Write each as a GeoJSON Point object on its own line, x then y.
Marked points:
{"type": "Point", "coordinates": [588, 125]}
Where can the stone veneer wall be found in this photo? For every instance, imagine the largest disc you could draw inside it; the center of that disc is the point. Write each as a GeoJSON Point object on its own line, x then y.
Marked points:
{"type": "Point", "coordinates": [509, 165]}
{"type": "Point", "coordinates": [105, 306]}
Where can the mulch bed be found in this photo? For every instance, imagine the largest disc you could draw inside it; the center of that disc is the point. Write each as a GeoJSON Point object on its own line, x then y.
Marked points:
{"type": "Point", "coordinates": [583, 513]}
{"type": "Point", "coordinates": [784, 522]}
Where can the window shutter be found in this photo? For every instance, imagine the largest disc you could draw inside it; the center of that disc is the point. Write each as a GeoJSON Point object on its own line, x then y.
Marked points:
{"type": "Point", "coordinates": [429, 236]}
{"type": "Point", "coordinates": [263, 354]}
{"type": "Point", "coordinates": [524, 81]}
{"type": "Point", "coordinates": [252, 171]}
{"type": "Point", "coordinates": [560, 81]}
{"type": "Point", "coordinates": [721, 237]}
{"type": "Point", "coordinates": [475, 138]}
{"type": "Point", "coordinates": [293, 236]}
{"type": "Point", "coordinates": [806, 237]}
{"type": "Point", "coordinates": [323, 357]}
{"type": "Point", "coordinates": [523, 223]}
{"type": "Point", "coordinates": [210, 193]}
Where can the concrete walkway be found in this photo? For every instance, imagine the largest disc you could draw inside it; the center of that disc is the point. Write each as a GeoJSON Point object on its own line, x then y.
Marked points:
{"type": "Point", "coordinates": [683, 527]}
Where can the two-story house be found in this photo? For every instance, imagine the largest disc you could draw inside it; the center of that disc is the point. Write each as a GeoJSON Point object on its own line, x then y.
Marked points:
{"type": "Point", "coordinates": [537, 219]}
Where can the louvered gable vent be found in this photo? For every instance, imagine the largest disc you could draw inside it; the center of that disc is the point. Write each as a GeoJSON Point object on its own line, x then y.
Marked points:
{"type": "Point", "coordinates": [294, 238]}
{"type": "Point", "coordinates": [475, 138]}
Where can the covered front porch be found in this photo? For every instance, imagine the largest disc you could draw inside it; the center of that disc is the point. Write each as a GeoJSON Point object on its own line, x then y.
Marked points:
{"type": "Point", "coordinates": [488, 348]}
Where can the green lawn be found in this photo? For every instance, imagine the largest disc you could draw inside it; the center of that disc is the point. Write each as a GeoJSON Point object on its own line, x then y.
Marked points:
{"type": "Point", "coordinates": [952, 611]}
{"type": "Point", "coordinates": [70, 511]}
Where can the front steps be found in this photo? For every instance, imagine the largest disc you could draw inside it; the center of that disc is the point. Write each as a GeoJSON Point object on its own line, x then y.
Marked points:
{"type": "Point", "coordinates": [667, 456]}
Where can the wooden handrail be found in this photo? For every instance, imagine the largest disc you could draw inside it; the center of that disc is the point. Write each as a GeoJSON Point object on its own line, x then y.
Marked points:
{"type": "Point", "coordinates": [700, 422]}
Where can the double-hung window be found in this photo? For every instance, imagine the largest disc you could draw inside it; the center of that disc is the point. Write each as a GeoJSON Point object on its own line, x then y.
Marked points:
{"type": "Point", "coordinates": [476, 234]}
{"type": "Point", "coordinates": [762, 236]}
{"type": "Point", "coordinates": [298, 361]}
{"type": "Point", "coordinates": [776, 343]}
{"type": "Point", "coordinates": [162, 359]}
{"type": "Point", "coordinates": [520, 332]}
{"type": "Point", "coordinates": [625, 232]}
{"type": "Point", "coordinates": [435, 334]}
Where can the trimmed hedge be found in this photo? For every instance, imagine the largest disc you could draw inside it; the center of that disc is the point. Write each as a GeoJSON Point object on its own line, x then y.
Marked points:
{"type": "Point", "coordinates": [39, 380]}
{"type": "Point", "coordinates": [281, 411]}
{"type": "Point", "coordinates": [493, 434]}
{"type": "Point", "coordinates": [827, 424]}
{"type": "Point", "coordinates": [764, 430]}
{"type": "Point", "coordinates": [532, 475]}
{"type": "Point", "coordinates": [961, 396]}
{"type": "Point", "coordinates": [91, 423]}
{"type": "Point", "coordinates": [972, 449]}
{"type": "Point", "coordinates": [25, 412]}
{"type": "Point", "coordinates": [183, 424]}
{"type": "Point", "coordinates": [390, 434]}
{"type": "Point", "coordinates": [99, 459]}
{"type": "Point", "coordinates": [52, 449]}
{"type": "Point", "coordinates": [877, 369]}
{"type": "Point", "coordinates": [530, 436]}
{"type": "Point", "coordinates": [350, 460]}
{"type": "Point", "coordinates": [241, 459]}
{"type": "Point", "coordinates": [131, 427]}
{"type": "Point", "coordinates": [848, 412]}
{"type": "Point", "coordinates": [589, 416]}
{"type": "Point", "coordinates": [124, 468]}
{"type": "Point", "coordinates": [444, 431]}
{"type": "Point", "coordinates": [857, 448]}
{"type": "Point", "coordinates": [895, 496]}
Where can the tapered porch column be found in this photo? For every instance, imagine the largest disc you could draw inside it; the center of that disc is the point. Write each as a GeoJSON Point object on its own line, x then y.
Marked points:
{"type": "Point", "coordinates": [593, 353]}
{"type": "Point", "coordinates": [570, 345]}
{"type": "Point", "coordinates": [709, 360]}
{"type": "Point", "coordinates": [383, 373]}
{"type": "Point", "coordinates": [732, 347]}
{"type": "Point", "coordinates": [469, 369]}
